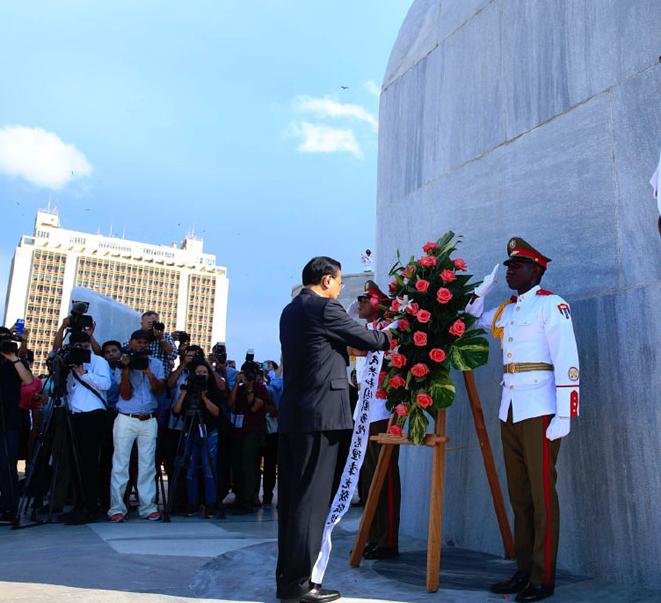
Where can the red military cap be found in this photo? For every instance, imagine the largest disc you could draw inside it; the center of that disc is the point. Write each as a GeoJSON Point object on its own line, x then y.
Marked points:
{"type": "Point", "coordinates": [521, 251]}
{"type": "Point", "coordinates": [372, 291]}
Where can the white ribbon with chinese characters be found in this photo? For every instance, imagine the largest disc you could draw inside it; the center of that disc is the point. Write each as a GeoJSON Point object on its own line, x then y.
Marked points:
{"type": "Point", "coordinates": [361, 433]}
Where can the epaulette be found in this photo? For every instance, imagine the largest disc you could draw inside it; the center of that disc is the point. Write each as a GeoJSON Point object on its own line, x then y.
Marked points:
{"type": "Point", "coordinates": [544, 292]}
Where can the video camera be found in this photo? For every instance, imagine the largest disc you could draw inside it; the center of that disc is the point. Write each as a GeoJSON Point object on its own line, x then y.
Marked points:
{"type": "Point", "coordinates": [76, 356]}
{"type": "Point", "coordinates": [9, 343]}
{"type": "Point", "coordinates": [138, 361]}
{"type": "Point", "coordinates": [194, 387]}
{"type": "Point", "coordinates": [78, 320]}
{"type": "Point", "coordinates": [180, 336]}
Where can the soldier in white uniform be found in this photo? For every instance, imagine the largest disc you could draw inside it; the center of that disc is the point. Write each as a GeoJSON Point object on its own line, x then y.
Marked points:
{"type": "Point", "coordinates": [383, 541]}
{"type": "Point", "coordinates": [540, 395]}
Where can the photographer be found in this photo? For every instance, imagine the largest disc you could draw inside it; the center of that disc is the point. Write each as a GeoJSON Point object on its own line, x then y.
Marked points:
{"type": "Point", "coordinates": [86, 386]}
{"type": "Point", "coordinates": [13, 374]}
{"type": "Point", "coordinates": [274, 384]}
{"type": "Point", "coordinates": [77, 321]}
{"type": "Point", "coordinates": [200, 394]}
{"type": "Point", "coordinates": [161, 344]}
{"type": "Point", "coordinates": [140, 382]}
{"type": "Point", "coordinates": [247, 400]}
{"type": "Point", "coordinates": [220, 365]}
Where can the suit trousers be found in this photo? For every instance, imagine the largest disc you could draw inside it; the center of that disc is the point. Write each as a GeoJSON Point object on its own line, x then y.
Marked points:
{"type": "Point", "coordinates": [385, 527]}
{"type": "Point", "coordinates": [306, 466]}
{"type": "Point", "coordinates": [531, 478]}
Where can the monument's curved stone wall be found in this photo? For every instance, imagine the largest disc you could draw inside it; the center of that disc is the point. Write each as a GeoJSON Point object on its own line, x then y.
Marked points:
{"type": "Point", "coordinates": [542, 119]}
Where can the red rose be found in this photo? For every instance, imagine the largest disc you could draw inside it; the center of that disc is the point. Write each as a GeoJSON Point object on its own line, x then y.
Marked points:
{"type": "Point", "coordinates": [420, 339]}
{"type": "Point", "coordinates": [443, 295]}
{"type": "Point", "coordinates": [460, 264]}
{"type": "Point", "coordinates": [457, 328]}
{"type": "Point", "coordinates": [382, 376]}
{"type": "Point", "coordinates": [374, 302]}
{"type": "Point", "coordinates": [397, 381]}
{"type": "Point", "coordinates": [381, 394]}
{"type": "Point", "coordinates": [394, 306]}
{"type": "Point", "coordinates": [423, 316]}
{"type": "Point", "coordinates": [424, 400]}
{"type": "Point", "coordinates": [419, 370]}
{"type": "Point", "coordinates": [422, 285]}
{"type": "Point", "coordinates": [401, 410]}
{"type": "Point", "coordinates": [412, 308]}
{"type": "Point", "coordinates": [447, 276]}
{"type": "Point", "coordinates": [437, 355]}
{"type": "Point", "coordinates": [404, 325]}
{"type": "Point", "coordinates": [427, 261]}
{"type": "Point", "coordinates": [395, 430]}
{"type": "Point", "coordinates": [393, 343]}
{"type": "Point", "coordinates": [427, 247]}
{"type": "Point", "coordinates": [398, 360]}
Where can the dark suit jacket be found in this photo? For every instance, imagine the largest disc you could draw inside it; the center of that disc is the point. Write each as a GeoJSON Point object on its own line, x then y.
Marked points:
{"type": "Point", "coordinates": [314, 334]}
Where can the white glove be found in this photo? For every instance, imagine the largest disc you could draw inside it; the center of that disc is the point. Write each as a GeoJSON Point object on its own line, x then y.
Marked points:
{"type": "Point", "coordinates": [488, 283]}
{"type": "Point", "coordinates": [353, 310]}
{"type": "Point", "coordinates": [558, 428]}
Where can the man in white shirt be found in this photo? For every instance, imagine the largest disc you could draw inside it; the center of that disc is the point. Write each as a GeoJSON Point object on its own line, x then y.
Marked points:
{"type": "Point", "coordinates": [540, 394]}
{"type": "Point", "coordinates": [87, 384]}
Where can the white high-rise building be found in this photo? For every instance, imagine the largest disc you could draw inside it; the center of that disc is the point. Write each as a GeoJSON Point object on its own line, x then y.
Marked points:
{"type": "Point", "coordinates": [182, 282]}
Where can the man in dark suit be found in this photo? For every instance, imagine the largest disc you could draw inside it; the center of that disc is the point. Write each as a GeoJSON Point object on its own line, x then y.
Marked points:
{"type": "Point", "coordinates": [314, 417]}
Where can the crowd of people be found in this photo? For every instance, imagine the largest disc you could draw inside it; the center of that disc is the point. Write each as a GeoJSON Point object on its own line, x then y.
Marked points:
{"type": "Point", "coordinates": [155, 420]}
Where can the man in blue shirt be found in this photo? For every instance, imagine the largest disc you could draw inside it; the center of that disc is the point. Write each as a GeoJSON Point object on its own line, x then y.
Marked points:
{"type": "Point", "coordinates": [141, 380]}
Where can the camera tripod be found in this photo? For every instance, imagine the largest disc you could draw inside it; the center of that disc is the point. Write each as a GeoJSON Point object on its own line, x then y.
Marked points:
{"type": "Point", "coordinates": [56, 432]}
{"type": "Point", "coordinates": [193, 420]}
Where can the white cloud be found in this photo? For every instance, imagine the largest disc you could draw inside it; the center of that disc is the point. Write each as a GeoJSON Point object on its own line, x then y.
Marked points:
{"type": "Point", "coordinates": [372, 87]}
{"type": "Point", "coordinates": [327, 107]}
{"type": "Point", "coordinates": [40, 157]}
{"type": "Point", "coordinates": [318, 138]}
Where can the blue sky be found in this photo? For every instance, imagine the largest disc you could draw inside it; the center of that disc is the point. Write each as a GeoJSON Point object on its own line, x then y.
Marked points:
{"type": "Point", "coordinates": [224, 116]}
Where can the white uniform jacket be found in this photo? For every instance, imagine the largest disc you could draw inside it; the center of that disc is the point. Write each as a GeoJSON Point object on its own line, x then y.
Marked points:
{"type": "Point", "coordinates": [535, 327]}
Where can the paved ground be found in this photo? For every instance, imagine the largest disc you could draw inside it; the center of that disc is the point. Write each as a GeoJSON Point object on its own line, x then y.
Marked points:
{"type": "Point", "coordinates": [234, 560]}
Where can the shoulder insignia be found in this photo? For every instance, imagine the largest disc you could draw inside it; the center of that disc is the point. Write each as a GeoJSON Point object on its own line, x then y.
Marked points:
{"type": "Point", "coordinates": [544, 292]}
{"type": "Point", "coordinates": [565, 310]}
{"type": "Point", "coordinates": [513, 299]}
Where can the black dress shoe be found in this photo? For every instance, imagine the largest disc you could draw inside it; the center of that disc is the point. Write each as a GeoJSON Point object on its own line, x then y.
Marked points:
{"type": "Point", "coordinates": [381, 552]}
{"type": "Point", "coordinates": [320, 595]}
{"type": "Point", "coordinates": [515, 584]}
{"type": "Point", "coordinates": [534, 592]}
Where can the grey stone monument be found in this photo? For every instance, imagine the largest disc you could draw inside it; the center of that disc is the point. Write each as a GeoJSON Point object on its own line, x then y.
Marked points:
{"type": "Point", "coordinates": [542, 119]}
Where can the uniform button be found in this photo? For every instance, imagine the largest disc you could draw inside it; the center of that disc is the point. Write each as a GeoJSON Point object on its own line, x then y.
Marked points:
{"type": "Point", "coordinates": [512, 323]}
{"type": "Point", "coordinates": [535, 380]}
{"type": "Point", "coordinates": [509, 355]}
{"type": "Point", "coordinates": [511, 387]}
{"type": "Point", "coordinates": [518, 308]}
{"type": "Point", "coordinates": [510, 339]}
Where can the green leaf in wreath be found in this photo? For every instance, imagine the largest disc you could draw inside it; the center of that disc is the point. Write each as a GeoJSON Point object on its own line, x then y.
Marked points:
{"type": "Point", "coordinates": [442, 392]}
{"type": "Point", "coordinates": [469, 352]}
{"type": "Point", "coordinates": [418, 423]}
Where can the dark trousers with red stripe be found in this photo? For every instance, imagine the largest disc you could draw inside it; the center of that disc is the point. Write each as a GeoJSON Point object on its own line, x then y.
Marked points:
{"type": "Point", "coordinates": [531, 477]}
{"type": "Point", "coordinates": [385, 527]}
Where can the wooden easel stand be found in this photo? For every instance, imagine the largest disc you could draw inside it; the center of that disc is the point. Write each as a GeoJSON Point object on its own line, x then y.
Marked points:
{"type": "Point", "coordinates": [437, 442]}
